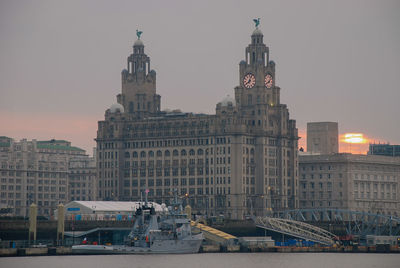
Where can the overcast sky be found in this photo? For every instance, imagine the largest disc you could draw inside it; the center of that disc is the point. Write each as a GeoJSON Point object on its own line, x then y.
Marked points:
{"type": "Point", "coordinates": [60, 61]}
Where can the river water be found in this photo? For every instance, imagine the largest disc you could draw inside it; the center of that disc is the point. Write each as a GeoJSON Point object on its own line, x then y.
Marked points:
{"type": "Point", "coordinates": [209, 260]}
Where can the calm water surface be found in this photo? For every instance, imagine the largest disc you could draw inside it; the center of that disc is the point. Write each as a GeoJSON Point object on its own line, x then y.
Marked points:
{"type": "Point", "coordinates": [229, 260]}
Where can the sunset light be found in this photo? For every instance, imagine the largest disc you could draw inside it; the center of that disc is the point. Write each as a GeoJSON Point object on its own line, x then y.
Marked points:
{"type": "Point", "coordinates": [354, 138]}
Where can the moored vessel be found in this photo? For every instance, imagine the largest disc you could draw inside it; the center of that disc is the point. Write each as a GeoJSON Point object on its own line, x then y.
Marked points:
{"type": "Point", "coordinates": [153, 233]}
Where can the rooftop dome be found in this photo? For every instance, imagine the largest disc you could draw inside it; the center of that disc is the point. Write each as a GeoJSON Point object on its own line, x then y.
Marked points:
{"type": "Point", "coordinates": [138, 43]}
{"type": "Point", "coordinates": [116, 107]}
{"type": "Point", "coordinates": [227, 101]}
{"type": "Point", "coordinates": [257, 32]}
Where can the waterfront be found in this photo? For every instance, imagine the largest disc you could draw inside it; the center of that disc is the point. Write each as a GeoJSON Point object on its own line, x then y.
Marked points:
{"type": "Point", "coordinates": [231, 260]}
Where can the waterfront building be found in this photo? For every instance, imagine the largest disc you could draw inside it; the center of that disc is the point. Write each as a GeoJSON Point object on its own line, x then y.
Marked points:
{"type": "Point", "coordinates": [241, 160]}
{"type": "Point", "coordinates": [384, 149]}
{"type": "Point", "coordinates": [35, 172]}
{"type": "Point", "coordinates": [82, 178]}
{"type": "Point", "coordinates": [322, 137]}
{"type": "Point", "coordinates": [368, 183]}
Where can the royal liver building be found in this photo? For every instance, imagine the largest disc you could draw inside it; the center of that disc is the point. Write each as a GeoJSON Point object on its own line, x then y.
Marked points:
{"type": "Point", "coordinates": [242, 160]}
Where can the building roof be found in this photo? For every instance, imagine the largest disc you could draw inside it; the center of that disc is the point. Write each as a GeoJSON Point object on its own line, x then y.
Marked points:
{"type": "Point", "coordinates": [228, 100]}
{"type": "Point", "coordinates": [257, 32]}
{"type": "Point", "coordinates": [5, 144]}
{"type": "Point", "coordinates": [346, 157]}
{"type": "Point", "coordinates": [138, 43]}
{"type": "Point", "coordinates": [57, 145]}
{"type": "Point", "coordinates": [109, 206]}
{"type": "Point", "coordinates": [116, 107]}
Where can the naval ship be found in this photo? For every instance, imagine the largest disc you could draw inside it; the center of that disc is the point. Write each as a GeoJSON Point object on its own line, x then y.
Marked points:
{"type": "Point", "coordinates": [153, 234]}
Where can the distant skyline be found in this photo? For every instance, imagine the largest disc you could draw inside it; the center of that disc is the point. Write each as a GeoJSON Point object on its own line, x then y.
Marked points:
{"type": "Point", "coordinates": [61, 61]}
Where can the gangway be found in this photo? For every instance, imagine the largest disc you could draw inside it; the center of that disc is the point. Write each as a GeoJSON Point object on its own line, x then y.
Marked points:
{"type": "Point", "coordinates": [213, 234]}
{"type": "Point", "coordinates": [296, 228]}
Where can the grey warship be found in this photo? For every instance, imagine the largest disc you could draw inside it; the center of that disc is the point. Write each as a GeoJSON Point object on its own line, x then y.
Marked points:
{"type": "Point", "coordinates": [153, 234]}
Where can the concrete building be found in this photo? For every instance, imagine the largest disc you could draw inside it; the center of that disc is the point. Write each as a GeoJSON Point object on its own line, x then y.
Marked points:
{"type": "Point", "coordinates": [35, 172]}
{"type": "Point", "coordinates": [82, 178]}
{"type": "Point", "coordinates": [241, 159]}
{"type": "Point", "coordinates": [366, 183]}
{"type": "Point", "coordinates": [322, 137]}
{"type": "Point", "coordinates": [384, 149]}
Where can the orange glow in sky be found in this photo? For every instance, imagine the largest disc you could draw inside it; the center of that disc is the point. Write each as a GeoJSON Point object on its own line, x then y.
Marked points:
{"type": "Point", "coordinates": [351, 142]}
{"type": "Point", "coordinates": [353, 138]}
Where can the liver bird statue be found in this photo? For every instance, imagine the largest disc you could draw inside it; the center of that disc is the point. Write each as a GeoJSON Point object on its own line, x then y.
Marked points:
{"type": "Point", "coordinates": [257, 22]}
{"type": "Point", "coordinates": [138, 33]}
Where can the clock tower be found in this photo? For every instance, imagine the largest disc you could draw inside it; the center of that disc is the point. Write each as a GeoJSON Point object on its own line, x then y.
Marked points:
{"type": "Point", "coordinates": [256, 76]}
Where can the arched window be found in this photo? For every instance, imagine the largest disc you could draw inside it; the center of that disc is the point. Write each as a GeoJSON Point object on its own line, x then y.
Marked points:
{"type": "Point", "coordinates": [127, 155]}
{"type": "Point", "coordinates": [252, 151]}
{"type": "Point", "coordinates": [191, 152]}
{"type": "Point", "coordinates": [135, 155]}
{"type": "Point", "coordinates": [142, 154]}
{"type": "Point", "coordinates": [159, 153]}
{"type": "Point", "coordinates": [183, 152]}
{"type": "Point", "coordinates": [175, 153]}
{"type": "Point", "coordinates": [200, 152]}
{"type": "Point", "coordinates": [131, 107]}
{"type": "Point", "coordinates": [151, 154]}
{"type": "Point", "coordinates": [167, 153]}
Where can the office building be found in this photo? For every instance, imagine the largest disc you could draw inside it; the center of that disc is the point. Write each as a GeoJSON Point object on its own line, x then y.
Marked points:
{"type": "Point", "coordinates": [240, 160]}
{"type": "Point", "coordinates": [368, 183]}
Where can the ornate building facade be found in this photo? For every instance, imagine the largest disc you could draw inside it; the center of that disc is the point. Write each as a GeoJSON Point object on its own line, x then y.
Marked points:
{"type": "Point", "coordinates": [241, 160]}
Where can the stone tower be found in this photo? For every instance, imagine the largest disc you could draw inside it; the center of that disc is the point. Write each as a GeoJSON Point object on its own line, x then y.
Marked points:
{"type": "Point", "coordinates": [323, 137]}
{"type": "Point", "coordinates": [139, 97]}
{"type": "Point", "coordinates": [257, 75]}
{"type": "Point", "coordinates": [267, 120]}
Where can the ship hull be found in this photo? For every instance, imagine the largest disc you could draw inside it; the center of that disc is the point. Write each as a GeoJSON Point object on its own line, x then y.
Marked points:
{"type": "Point", "coordinates": [184, 246]}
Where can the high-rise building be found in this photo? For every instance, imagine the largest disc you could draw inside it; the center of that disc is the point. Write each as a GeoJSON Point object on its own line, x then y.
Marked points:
{"type": "Point", "coordinates": [240, 160]}
{"type": "Point", "coordinates": [35, 172]}
{"type": "Point", "coordinates": [368, 183]}
{"type": "Point", "coordinates": [384, 149]}
{"type": "Point", "coordinates": [322, 137]}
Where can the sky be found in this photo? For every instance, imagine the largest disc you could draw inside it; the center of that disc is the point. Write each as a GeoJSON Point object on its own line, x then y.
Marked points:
{"type": "Point", "coordinates": [61, 61]}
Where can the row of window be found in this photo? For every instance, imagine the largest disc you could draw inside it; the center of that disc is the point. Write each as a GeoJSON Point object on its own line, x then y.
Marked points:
{"type": "Point", "coordinates": [375, 195]}
{"type": "Point", "coordinates": [374, 186]}
{"type": "Point", "coordinates": [167, 182]}
{"type": "Point", "coordinates": [182, 191]}
{"type": "Point", "coordinates": [30, 197]}
{"type": "Point", "coordinates": [374, 177]}
{"type": "Point", "coordinates": [321, 185]}
{"type": "Point", "coordinates": [320, 176]}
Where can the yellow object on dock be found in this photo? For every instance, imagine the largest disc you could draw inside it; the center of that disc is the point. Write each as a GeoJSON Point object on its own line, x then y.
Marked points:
{"type": "Point", "coordinates": [212, 233]}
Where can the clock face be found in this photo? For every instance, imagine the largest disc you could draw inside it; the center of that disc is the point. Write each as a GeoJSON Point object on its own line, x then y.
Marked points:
{"type": "Point", "coordinates": [249, 80]}
{"type": "Point", "coordinates": [268, 81]}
